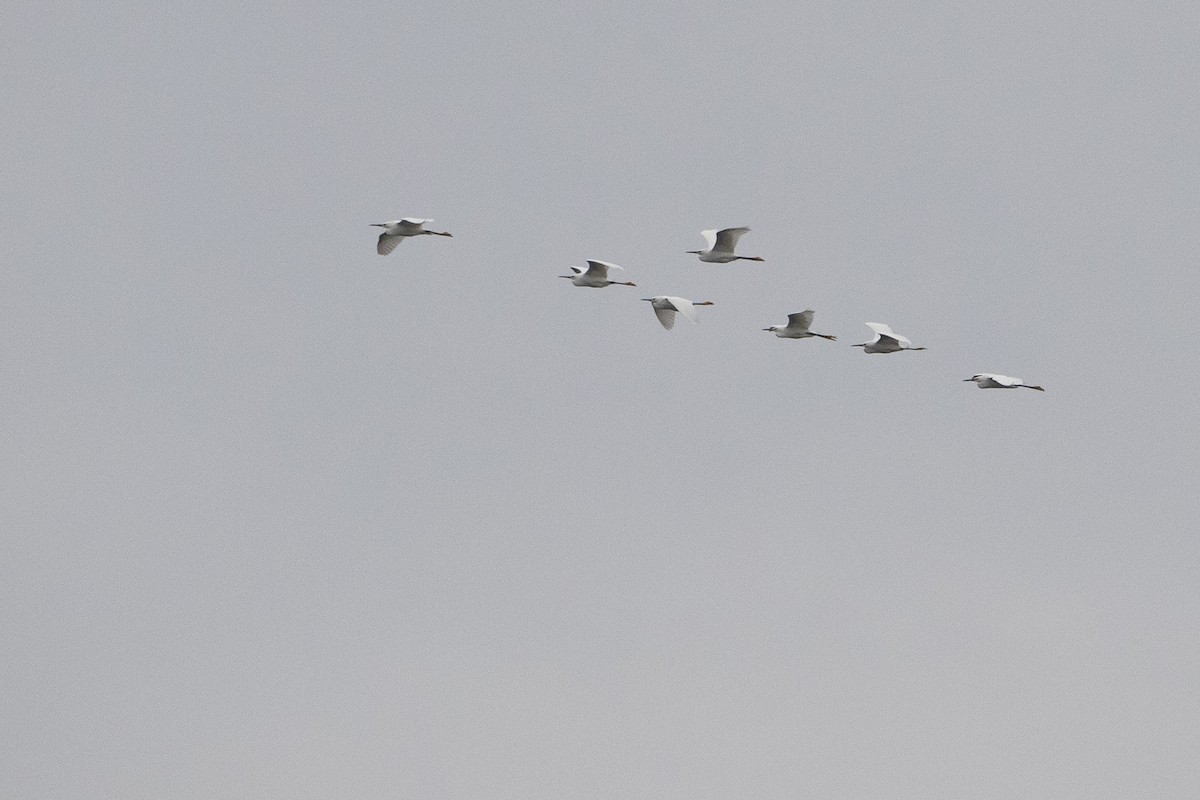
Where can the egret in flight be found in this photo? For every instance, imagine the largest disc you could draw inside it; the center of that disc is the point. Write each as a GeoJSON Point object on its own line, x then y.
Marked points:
{"type": "Point", "coordinates": [595, 276]}
{"type": "Point", "coordinates": [398, 230]}
{"type": "Point", "coordinates": [798, 327]}
{"type": "Point", "coordinates": [721, 244]}
{"type": "Point", "coordinates": [986, 380]}
{"type": "Point", "coordinates": [885, 341]}
{"type": "Point", "coordinates": [665, 308]}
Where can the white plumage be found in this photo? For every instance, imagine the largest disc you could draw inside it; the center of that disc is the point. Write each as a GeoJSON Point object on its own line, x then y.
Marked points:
{"type": "Point", "coordinates": [665, 307]}
{"type": "Point", "coordinates": [885, 340]}
{"type": "Point", "coordinates": [798, 327]}
{"type": "Point", "coordinates": [989, 380]}
{"type": "Point", "coordinates": [721, 244]}
{"type": "Point", "coordinates": [398, 230]}
{"type": "Point", "coordinates": [595, 276]}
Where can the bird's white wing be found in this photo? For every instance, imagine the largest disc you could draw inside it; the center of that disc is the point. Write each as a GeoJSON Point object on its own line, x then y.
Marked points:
{"type": "Point", "coordinates": [1003, 380]}
{"type": "Point", "coordinates": [411, 225]}
{"type": "Point", "coordinates": [387, 243]}
{"type": "Point", "coordinates": [904, 341]}
{"type": "Point", "coordinates": [685, 307]}
{"type": "Point", "coordinates": [728, 239]}
{"type": "Point", "coordinates": [666, 316]}
{"type": "Point", "coordinates": [801, 320]}
{"type": "Point", "coordinates": [601, 268]}
{"type": "Point", "coordinates": [880, 329]}
{"type": "Point", "coordinates": [710, 238]}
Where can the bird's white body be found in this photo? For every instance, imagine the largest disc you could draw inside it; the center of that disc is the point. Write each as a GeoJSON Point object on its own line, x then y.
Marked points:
{"type": "Point", "coordinates": [665, 307]}
{"type": "Point", "coordinates": [721, 245]}
{"type": "Point", "coordinates": [798, 327]}
{"type": "Point", "coordinates": [595, 276]}
{"type": "Point", "coordinates": [398, 230]}
{"type": "Point", "coordinates": [989, 380]}
{"type": "Point", "coordinates": [885, 340]}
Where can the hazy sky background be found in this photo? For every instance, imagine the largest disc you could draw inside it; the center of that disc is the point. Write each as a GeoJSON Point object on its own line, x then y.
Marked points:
{"type": "Point", "coordinates": [285, 519]}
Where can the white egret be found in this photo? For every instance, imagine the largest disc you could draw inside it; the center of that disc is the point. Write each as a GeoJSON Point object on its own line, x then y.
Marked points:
{"type": "Point", "coordinates": [398, 230]}
{"type": "Point", "coordinates": [885, 340]}
{"type": "Point", "coordinates": [595, 276]}
{"type": "Point", "coordinates": [798, 327]}
{"type": "Point", "coordinates": [988, 380]}
{"type": "Point", "coordinates": [665, 308]}
{"type": "Point", "coordinates": [721, 244]}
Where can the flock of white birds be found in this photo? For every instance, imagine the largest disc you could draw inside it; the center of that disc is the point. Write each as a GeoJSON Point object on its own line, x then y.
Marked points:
{"type": "Point", "coordinates": [721, 247]}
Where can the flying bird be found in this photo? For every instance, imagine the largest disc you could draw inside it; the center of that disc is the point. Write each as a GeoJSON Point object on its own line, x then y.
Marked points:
{"type": "Point", "coordinates": [595, 276]}
{"type": "Point", "coordinates": [987, 380]}
{"type": "Point", "coordinates": [798, 327]}
{"type": "Point", "coordinates": [398, 230]}
{"type": "Point", "coordinates": [885, 340]}
{"type": "Point", "coordinates": [721, 244]}
{"type": "Point", "coordinates": [665, 308]}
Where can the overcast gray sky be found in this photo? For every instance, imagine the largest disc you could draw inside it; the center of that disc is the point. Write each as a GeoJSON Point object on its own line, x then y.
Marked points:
{"type": "Point", "coordinates": [285, 519]}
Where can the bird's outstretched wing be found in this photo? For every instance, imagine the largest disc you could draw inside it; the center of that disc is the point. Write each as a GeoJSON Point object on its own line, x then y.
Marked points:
{"type": "Point", "coordinates": [885, 336]}
{"type": "Point", "coordinates": [413, 224]}
{"type": "Point", "coordinates": [685, 307]}
{"type": "Point", "coordinates": [666, 316]}
{"type": "Point", "coordinates": [387, 243]}
{"type": "Point", "coordinates": [801, 320]}
{"type": "Point", "coordinates": [710, 238]}
{"type": "Point", "coordinates": [727, 239]}
{"type": "Point", "coordinates": [600, 268]}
